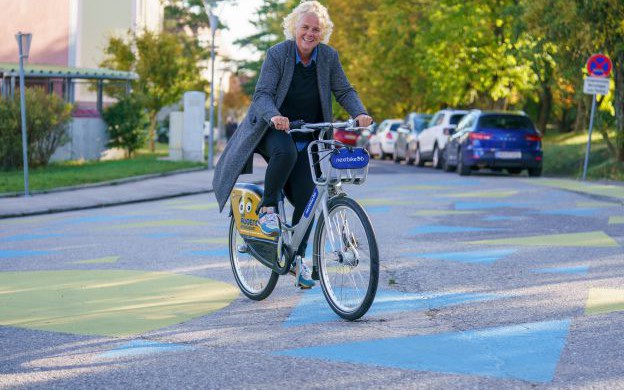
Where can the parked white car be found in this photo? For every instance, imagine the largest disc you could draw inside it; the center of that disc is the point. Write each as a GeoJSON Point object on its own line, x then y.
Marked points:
{"type": "Point", "coordinates": [381, 145]}
{"type": "Point", "coordinates": [432, 140]}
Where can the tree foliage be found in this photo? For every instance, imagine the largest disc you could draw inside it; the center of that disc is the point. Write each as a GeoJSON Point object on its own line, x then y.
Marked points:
{"type": "Point", "coordinates": [126, 123]}
{"type": "Point", "coordinates": [47, 117]}
{"type": "Point", "coordinates": [166, 65]}
{"type": "Point", "coordinates": [423, 55]}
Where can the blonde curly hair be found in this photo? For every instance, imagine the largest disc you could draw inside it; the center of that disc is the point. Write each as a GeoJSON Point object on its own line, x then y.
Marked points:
{"type": "Point", "coordinates": [308, 7]}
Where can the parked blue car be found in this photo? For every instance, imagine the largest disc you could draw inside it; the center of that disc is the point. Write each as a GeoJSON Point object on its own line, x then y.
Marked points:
{"type": "Point", "coordinates": [495, 140]}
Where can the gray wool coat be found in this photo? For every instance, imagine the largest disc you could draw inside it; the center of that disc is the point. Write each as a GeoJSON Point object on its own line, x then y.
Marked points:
{"type": "Point", "coordinates": [273, 83]}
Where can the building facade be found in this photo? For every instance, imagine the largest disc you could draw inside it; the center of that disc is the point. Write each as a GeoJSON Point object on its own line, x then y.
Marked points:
{"type": "Point", "coordinates": [73, 33]}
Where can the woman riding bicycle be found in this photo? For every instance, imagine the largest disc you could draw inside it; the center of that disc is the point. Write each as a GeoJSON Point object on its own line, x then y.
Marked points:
{"type": "Point", "coordinates": [297, 79]}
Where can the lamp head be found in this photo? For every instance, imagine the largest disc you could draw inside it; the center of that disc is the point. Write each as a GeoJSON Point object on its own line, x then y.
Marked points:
{"type": "Point", "coordinates": [23, 41]}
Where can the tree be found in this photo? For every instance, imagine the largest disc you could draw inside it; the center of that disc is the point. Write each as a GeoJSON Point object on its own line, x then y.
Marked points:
{"type": "Point", "coordinates": [165, 65]}
{"type": "Point", "coordinates": [126, 123]}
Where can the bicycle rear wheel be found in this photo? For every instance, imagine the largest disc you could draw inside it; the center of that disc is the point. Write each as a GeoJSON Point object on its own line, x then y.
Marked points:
{"type": "Point", "coordinates": [348, 258]}
{"type": "Point", "coordinates": [254, 279]}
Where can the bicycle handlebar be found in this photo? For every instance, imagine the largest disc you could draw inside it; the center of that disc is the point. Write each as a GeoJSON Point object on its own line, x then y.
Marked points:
{"type": "Point", "coordinates": [300, 126]}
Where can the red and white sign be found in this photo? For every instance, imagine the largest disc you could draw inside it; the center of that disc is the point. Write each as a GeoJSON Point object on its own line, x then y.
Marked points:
{"type": "Point", "coordinates": [599, 65]}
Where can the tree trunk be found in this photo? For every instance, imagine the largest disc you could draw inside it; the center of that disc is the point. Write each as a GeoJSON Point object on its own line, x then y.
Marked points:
{"type": "Point", "coordinates": [618, 65]}
{"type": "Point", "coordinates": [545, 108]}
{"type": "Point", "coordinates": [152, 131]}
{"type": "Point", "coordinates": [581, 115]}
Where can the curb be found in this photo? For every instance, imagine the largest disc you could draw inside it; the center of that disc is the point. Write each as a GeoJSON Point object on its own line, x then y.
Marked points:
{"type": "Point", "coordinates": [114, 182]}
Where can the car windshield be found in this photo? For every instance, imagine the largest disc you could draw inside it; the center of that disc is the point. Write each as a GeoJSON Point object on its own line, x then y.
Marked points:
{"type": "Point", "coordinates": [456, 118]}
{"type": "Point", "coordinates": [395, 126]}
{"type": "Point", "coordinates": [505, 122]}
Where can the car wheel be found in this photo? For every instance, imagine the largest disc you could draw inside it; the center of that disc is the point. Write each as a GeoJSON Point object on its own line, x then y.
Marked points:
{"type": "Point", "coordinates": [462, 168]}
{"type": "Point", "coordinates": [437, 157]}
{"type": "Point", "coordinates": [409, 160]}
{"type": "Point", "coordinates": [418, 160]}
{"type": "Point", "coordinates": [535, 172]}
{"type": "Point", "coordinates": [395, 156]}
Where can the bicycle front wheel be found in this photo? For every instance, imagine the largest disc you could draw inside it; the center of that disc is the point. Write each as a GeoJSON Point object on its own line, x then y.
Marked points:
{"type": "Point", "coordinates": [348, 258]}
{"type": "Point", "coordinates": [255, 280]}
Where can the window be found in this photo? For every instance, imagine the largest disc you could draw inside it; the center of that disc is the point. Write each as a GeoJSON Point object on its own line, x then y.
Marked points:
{"type": "Point", "coordinates": [394, 126]}
{"type": "Point", "coordinates": [456, 118]}
{"type": "Point", "coordinates": [505, 122]}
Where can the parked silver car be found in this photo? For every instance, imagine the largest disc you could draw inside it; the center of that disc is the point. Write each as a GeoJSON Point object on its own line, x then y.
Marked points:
{"type": "Point", "coordinates": [407, 136]}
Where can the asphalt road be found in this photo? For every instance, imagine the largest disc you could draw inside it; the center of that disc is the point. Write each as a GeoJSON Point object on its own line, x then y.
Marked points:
{"type": "Point", "coordinates": [487, 282]}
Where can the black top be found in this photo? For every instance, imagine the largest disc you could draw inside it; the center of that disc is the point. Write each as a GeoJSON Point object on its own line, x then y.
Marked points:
{"type": "Point", "coordinates": [303, 101]}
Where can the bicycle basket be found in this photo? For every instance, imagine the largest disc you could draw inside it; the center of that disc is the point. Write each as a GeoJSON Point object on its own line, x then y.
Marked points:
{"type": "Point", "coordinates": [347, 165]}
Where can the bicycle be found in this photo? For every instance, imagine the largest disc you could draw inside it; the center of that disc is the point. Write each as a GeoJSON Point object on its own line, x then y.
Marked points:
{"type": "Point", "coordinates": [345, 252]}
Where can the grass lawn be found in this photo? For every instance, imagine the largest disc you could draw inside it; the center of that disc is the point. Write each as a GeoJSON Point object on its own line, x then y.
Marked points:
{"type": "Point", "coordinates": [72, 173]}
{"type": "Point", "coordinates": [564, 155]}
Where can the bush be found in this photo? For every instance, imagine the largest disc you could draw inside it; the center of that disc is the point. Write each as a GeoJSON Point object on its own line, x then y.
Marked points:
{"type": "Point", "coordinates": [126, 123]}
{"type": "Point", "coordinates": [47, 116]}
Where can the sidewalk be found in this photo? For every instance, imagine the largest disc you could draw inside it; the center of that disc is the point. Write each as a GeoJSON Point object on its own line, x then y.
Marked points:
{"type": "Point", "coordinates": [171, 186]}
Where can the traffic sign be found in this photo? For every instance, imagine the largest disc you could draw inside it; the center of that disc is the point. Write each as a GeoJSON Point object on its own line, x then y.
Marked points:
{"type": "Point", "coordinates": [599, 65]}
{"type": "Point", "coordinates": [596, 85]}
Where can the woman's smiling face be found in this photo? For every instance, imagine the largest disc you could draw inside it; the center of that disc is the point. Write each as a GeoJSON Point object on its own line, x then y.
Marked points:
{"type": "Point", "coordinates": [308, 33]}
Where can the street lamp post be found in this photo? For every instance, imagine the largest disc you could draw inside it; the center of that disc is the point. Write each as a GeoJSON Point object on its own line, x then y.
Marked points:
{"type": "Point", "coordinates": [212, 18]}
{"type": "Point", "coordinates": [23, 43]}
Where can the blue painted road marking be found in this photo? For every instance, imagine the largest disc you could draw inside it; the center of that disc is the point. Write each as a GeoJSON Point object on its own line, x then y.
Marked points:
{"type": "Point", "coordinates": [313, 309]}
{"type": "Point", "coordinates": [7, 254]}
{"type": "Point", "coordinates": [377, 209]}
{"type": "Point", "coordinates": [528, 352]}
{"type": "Point", "coordinates": [494, 218]}
{"type": "Point", "coordinates": [571, 212]}
{"type": "Point", "coordinates": [29, 237]}
{"type": "Point", "coordinates": [580, 270]}
{"type": "Point", "coordinates": [143, 347]}
{"type": "Point", "coordinates": [473, 257]}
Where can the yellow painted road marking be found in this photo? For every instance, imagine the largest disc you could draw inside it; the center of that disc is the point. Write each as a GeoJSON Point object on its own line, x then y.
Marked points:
{"type": "Point", "coordinates": [482, 194]}
{"type": "Point", "coordinates": [589, 239]}
{"type": "Point", "coordinates": [109, 259]}
{"type": "Point", "coordinates": [616, 220]}
{"type": "Point", "coordinates": [589, 188]}
{"type": "Point", "coordinates": [604, 300]}
{"type": "Point", "coordinates": [107, 303]}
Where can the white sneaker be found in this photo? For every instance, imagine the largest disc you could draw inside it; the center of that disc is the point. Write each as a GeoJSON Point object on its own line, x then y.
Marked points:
{"type": "Point", "coordinates": [269, 222]}
{"type": "Point", "coordinates": [302, 273]}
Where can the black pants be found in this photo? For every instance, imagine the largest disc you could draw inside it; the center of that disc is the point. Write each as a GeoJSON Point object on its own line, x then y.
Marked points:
{"type": "Point", "coordinates": [289, 170]}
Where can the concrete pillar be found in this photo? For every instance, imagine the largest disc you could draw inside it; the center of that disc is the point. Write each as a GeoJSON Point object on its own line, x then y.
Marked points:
{"type": "Point", "coordinates": [194, 117]}
{"type": "Point", "coordinates": [176, 128]}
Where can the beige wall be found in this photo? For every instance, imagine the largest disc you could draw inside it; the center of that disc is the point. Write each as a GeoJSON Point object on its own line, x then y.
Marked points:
{"type": "Point", "coordinates": [47, 20]}
{"type": "Point", "coordinates": [97, 22]}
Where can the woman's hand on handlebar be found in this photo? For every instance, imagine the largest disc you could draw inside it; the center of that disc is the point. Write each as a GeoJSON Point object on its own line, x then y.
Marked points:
{"type": "Point", "coordinates": [363, 120]}
{"type": "Point", "coordinates": [280, 123]}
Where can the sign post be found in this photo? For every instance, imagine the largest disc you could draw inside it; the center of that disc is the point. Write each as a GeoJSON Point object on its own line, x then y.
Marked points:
{"type": "Point", "coordinates": [599, 67]}
{"type": "Point", "coordinates": [23, 44]}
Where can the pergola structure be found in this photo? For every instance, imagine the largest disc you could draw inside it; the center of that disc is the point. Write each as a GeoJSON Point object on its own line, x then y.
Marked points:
{"type": "Point", "coordinates": [65, 76]}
